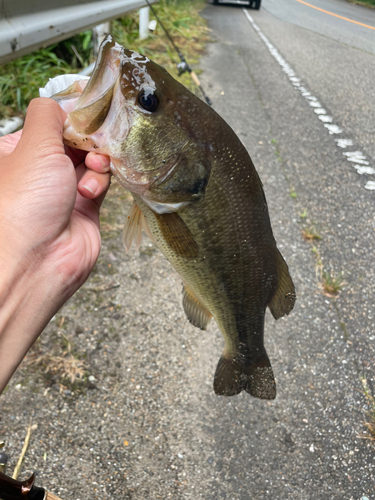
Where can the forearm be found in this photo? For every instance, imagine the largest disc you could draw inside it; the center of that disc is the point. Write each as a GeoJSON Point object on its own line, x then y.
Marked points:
{"type": "Point", "coordinates": [28, 300]}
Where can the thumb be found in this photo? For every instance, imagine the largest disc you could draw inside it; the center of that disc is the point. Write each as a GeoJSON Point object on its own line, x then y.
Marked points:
{"type": "Point", "coordinates": [42, 132]}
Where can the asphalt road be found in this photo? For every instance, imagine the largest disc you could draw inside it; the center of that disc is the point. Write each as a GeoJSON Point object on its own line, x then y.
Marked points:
{"type": "Point", "coordinates": [339, 20]}
{"type": "Point", "coordinates": [148, 424]}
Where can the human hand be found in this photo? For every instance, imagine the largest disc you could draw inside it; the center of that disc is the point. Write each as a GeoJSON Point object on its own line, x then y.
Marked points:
{"type": "Point", "coordinates": [49, 201]}
{"type": "Point", "coordinates": [49, 226]}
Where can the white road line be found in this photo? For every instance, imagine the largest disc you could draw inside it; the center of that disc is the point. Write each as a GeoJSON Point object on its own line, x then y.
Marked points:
{"type": "Point", "coordinates": [356, 157]}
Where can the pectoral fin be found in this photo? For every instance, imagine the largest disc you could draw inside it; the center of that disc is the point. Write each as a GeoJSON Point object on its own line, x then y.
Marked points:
{"type": "Point", "coordinates": [133, 228]}
{"type": "Point", "coordinates": [177, 235]}
{"type": "Point", "coordinates": [195, 311]}
{"type": "Point", "coordinates": [285, 296]}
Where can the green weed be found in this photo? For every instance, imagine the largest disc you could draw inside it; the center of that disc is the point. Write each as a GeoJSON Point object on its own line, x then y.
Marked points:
{"type": "Point", "coordinates": [187, 29]}
{"type": "Point", "coordinates": [310, 233]}
{"type": "Point", "coordinates": [331, 284]}
{"type": "Point", "coordinates": [365, 3]}
{"type": "Point", "coordinates": [370, 422]}
{"type": "Point", "coordinates": [21, 79]}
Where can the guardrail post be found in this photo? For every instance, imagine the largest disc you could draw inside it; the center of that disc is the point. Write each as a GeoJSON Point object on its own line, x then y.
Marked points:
{"type": "Point", "coordinates": [144, 19]}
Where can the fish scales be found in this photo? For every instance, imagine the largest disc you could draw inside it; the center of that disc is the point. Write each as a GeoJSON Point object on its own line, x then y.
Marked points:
{"type": "Point", "coordinates": [197, 194]}
{"type": "Point", "coordinates": [233, 276]}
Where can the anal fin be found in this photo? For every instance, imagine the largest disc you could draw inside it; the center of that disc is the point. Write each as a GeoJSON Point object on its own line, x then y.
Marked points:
{"type": "Point", "coordinates": [133, 228]}
{"type": "Point", "coordinates": [195, 311]}
{"type": "Point", "coordinates": [285, 296]}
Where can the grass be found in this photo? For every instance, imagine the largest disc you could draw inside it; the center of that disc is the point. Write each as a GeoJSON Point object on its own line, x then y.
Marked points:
{"type": "Point", "coordinates": [365, 3]}
{"type": "Point", "coordinates": [187, 29]}
{"type": "Point", "coordinates": [332, 284]}
{"type": "Point", "coordinates": [329, 282]}
{"type": "Point", "coordinates": [66, 366]}
{"type": "Point", "coordinates": [61, 364]}
{"type": "Point", "coordinates": [21, 79]}
{"type": "Point", "coordinates": [370, 422]}
{"type": "Point", "coordinates": [310, 233]}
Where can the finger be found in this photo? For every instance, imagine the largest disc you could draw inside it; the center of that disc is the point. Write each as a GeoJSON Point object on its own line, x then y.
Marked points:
{"type": "Point", "coordinates": [90, 208]}
{"type": "Point", "coordinates": [92, 184]}
{"type": "Point", "coordinates": [97, 162]}
{"type": "Point", "coordinates": [42, 132]}
{"type": "Point", "coordinates": [76, 155]}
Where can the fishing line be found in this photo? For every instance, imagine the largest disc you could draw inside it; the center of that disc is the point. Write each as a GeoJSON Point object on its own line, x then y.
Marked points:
{"type": "Point", "coordinates": [182, 66]}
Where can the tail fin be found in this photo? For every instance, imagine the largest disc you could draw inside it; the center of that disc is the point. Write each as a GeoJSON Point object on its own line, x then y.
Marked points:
{"type": "Point", "coordinates": [256, 378]}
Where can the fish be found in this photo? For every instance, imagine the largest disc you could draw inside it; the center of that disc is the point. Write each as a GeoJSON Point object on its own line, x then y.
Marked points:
{"type": "Point", "coordinates": [197, 195]}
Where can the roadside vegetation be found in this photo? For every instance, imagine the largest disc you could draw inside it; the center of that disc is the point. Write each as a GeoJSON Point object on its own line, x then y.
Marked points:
{"type": "Point", "coordinates": [187, 29]}
{"type": "Point", "coordinates": [331, 283]}
{"type": "Point", "coordinates": [370, 413]}
{"type": "Point", "coordinates": [366, 3]}
{"type": "Point", "coordinates": [21, 79]}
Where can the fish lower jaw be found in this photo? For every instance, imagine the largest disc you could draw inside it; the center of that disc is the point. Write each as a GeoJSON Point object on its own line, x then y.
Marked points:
{"type": "Point", "coordinates": [77, 141]}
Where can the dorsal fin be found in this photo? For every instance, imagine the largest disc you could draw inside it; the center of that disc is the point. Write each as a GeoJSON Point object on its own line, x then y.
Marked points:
{"type": "Point", "coordinates": [285, 296]}
{"type": "Point", "coordinates": [196, 312]}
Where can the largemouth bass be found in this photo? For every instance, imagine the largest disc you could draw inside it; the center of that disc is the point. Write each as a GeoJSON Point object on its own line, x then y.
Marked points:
{"type": "Point", "coordinates": [197, 194]}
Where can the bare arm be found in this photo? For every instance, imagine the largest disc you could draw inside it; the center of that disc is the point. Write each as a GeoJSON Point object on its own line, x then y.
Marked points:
{"type": "Point", "coordinates": [49, 227]}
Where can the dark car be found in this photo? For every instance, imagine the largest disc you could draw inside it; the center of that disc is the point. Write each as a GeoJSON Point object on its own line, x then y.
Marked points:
{"type": "Point", "coordinates": [255, 4]}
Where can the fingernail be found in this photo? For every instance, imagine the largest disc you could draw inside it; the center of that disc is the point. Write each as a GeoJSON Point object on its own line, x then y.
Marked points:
{"type": "Point", "coordinates": [91, 185]}
{"type": "Point", "coordinates": [105, 163]}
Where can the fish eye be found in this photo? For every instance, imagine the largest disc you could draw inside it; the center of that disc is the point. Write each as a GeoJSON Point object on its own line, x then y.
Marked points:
{"type": "Point", "coordinates": [148, 100]}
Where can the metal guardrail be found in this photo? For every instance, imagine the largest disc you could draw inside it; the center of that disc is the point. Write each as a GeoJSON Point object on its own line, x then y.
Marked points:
{"type": "Point", "coordinates": [30, 25]}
